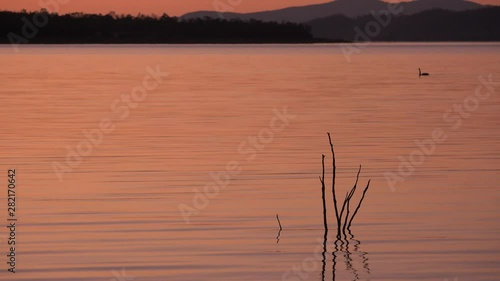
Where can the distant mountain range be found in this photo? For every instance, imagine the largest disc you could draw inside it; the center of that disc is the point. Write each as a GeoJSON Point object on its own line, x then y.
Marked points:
{"type": "Point", "coordinates": [431, 25]}
{"type": "Point", "coordinates": [347, 8]}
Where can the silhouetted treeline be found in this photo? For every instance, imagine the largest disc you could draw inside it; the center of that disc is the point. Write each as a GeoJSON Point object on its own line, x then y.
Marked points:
{"type": "Point", "coordinates": [23, 27]}
{"type": "Point", "coordinates": [433, 25]}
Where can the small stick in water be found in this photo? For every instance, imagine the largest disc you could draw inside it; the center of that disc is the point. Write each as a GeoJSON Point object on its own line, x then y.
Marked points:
{"type": "Point", "coordinates": [279, 232]}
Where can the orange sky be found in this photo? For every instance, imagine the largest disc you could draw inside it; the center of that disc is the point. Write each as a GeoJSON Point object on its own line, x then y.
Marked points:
{"type": "Point", "coordinates": [171, 7]}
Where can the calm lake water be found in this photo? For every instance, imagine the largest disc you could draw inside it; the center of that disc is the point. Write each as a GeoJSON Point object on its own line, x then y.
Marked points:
{"type": "Point", "coordinates": [114, 215]}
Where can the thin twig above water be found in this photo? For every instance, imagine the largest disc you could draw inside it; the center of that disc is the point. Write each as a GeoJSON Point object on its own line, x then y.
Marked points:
{"type": "Point", "coordinates": [279, 232]}
{"type": "Point", "coordinates": [334, 170]}
{"type": "Point", "coordinates": [359, 205]}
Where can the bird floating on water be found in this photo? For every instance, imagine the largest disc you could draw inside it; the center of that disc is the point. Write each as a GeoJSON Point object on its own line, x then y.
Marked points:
{"type": "Point", "coordinates": [420, 73]}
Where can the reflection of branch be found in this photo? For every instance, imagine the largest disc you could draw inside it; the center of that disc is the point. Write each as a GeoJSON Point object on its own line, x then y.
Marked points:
{"type": "Point", "coordinates": [350, 262]}
{"type": "Point", "coordinates": [325, 223]}
{"type": "Point", "coordinates": [324, 257]}
{"type": "Point", "coordinates": [366, 266]}
{"type": "Point", "coordinates": [334, 260]}
{"type": "Point", "coordinates": [344, 245]}
{"type": "Point", "coordinates": [339, 216]}
{"type": "Point", "coordinates": [279, 232]}
{"type": "Point", "coordinates": [363, 255]}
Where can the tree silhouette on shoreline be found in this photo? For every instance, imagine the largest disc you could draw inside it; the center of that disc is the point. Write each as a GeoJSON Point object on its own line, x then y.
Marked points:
{"type": "Point", "coordinates": [112, 28]}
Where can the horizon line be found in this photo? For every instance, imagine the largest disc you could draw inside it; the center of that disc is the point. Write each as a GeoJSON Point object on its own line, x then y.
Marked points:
{"type": "Point", "coordinates": [39, 9]}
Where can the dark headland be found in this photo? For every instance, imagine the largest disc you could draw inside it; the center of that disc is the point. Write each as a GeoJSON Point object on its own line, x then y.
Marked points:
{"type": "Point", "coordinates": [79, 28]}
{"type": "Point", "coordinates": [465, 22]}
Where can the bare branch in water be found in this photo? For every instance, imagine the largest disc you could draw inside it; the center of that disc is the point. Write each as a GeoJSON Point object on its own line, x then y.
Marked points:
{"type": "Point", "coordinates": [347, 200]}
{"type": "Point", "coordinates": [279, 223]}
{"type": "Point", "coordinates": [322, 179]}
{"type": "Point", "coordinates": [334, 168]}
{"type": "Point", "coordinates": [347, 214]}
{"type": "Point", "coordinates": [359, 205]}
{"type": "Point", "coordinates": [350, 194]}
{"type": "Point", "coordinates": [346, 204]}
